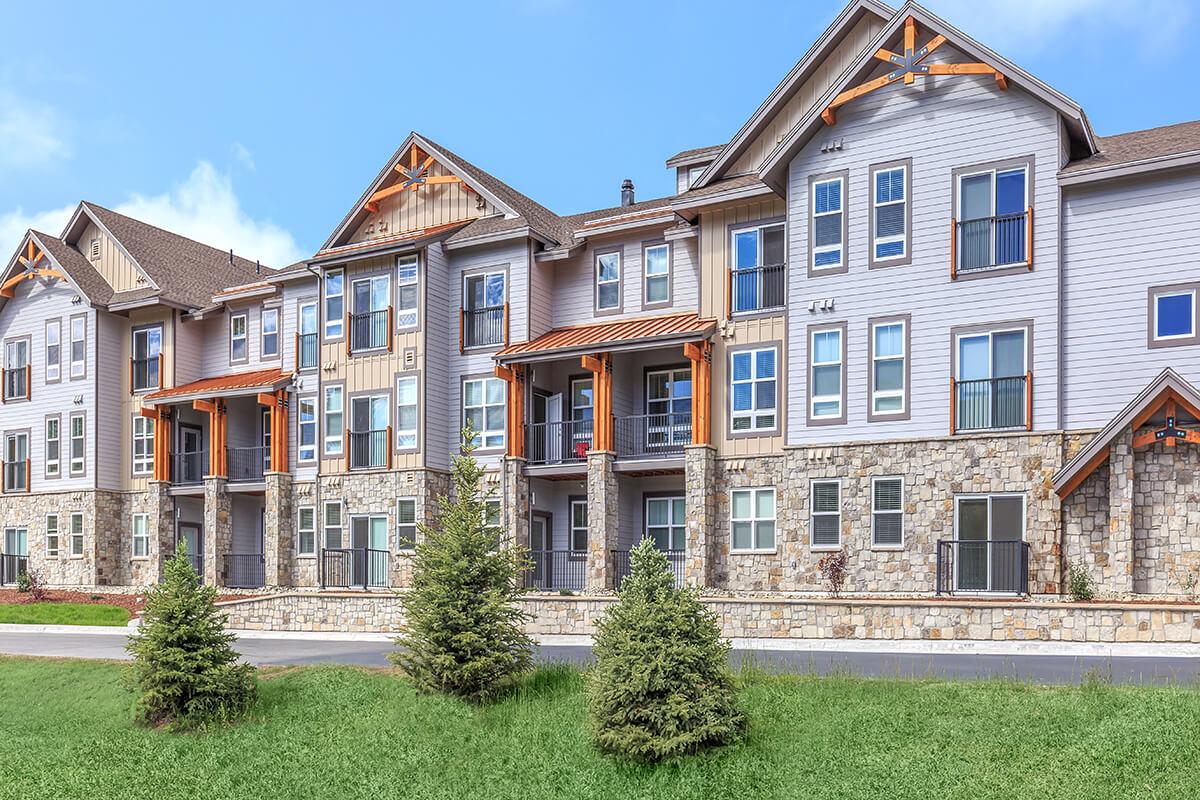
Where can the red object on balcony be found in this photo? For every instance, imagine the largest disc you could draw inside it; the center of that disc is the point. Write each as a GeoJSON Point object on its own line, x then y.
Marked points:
{"type": "Point", "coordinates": [581, 449]}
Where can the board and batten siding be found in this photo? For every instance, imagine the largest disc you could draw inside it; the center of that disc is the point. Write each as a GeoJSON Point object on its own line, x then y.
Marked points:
{"type": "Point", "coordinates": [113, 264]}
{"type": "Point", "coordinates": [431, 205]}
{"type": "Point", "coordinates": [119, 354]}
{"type": "Point", "coordinates": [944, 124]}
{"type": "Point", "coordinates": [1121, 238]}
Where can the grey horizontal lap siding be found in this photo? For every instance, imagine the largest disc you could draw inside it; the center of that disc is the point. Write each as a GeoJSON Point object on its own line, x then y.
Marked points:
{"type": "Point", "coordinates": [1120, 239]}
{"type": "Point", "coordinates": [953, 122]}
{"type": "Point", "coordinates": [433, 358]}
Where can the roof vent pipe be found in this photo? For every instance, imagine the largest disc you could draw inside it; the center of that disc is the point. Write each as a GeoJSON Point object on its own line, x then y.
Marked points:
{"type": "Point", "coordinates": [626, 192]}
{"type": "Point", "coordinates": [257, 267]}
{"type": "Point", "coordinates": [231, 255]}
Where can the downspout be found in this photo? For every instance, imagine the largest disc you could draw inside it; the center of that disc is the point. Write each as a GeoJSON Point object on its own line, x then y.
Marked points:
{"type": "Point", "coordinates": [318, 507]}
{"type": "Point", "coordinates": [1059, 354]}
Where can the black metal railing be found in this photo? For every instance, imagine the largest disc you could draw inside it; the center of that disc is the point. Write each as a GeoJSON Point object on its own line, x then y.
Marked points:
{"type": "Point", "coordinates": [354, 567]}
{"type": "Point", "coordinates": [559, 442]}
{"type": "Point", "coordinates": [244, 571]}
{"type": "Point", "coordinates": [990, 403]}
{"type": "Point", "coordinates": [247, 464]}
{"type": "Point", "coordinates": [551, 570]}
{"type": "Point", "coordinates": [145, 373]}
{"type": "Point", "coordinates": [369, 449]}
{"type": "Point", "coordinates": [16, 476]}
{"type": "Point", "coordinates": [619, 561]}
{"type": "Point", "coordinates": [11, 567]}
{"type": "Point", "coordinates": [483, 326]}
{"type": "Point", "coordinates": [307, 350]}
{"type": "Point", "coordinates": [992, 241]}
{"type": "Point", "coordinates": [758, 288]}
{"type": "Point", "coordinates": [651, 435]}
{"type": "Point", "coordinates": [16, 384]}
{"type": "Point", "coordinates": [1000, 566]}
{"type": "Point", "coordinates": [369, 330]}
{"type": "Point", "coordinates": [188, 467]}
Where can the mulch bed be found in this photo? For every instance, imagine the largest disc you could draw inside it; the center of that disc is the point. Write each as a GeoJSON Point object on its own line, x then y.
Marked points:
{"type": "Point", "coordinates": [133, 603]}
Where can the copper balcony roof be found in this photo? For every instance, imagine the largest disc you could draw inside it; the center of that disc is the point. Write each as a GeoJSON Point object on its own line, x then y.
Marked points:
{"type": "Point", "coordinates": [625, 334]}
{"type": "Point", "coordinates": [237, 383]}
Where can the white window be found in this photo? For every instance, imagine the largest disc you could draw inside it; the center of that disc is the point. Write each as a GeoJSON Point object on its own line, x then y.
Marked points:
{"type": "Point", "coordinates": [666, 522]}
{"type": "Point", "coordinates": [887, 512]}
{"type": "Point", "coordinates": [406, 412]}
{"type": "Point", "coordinates": [483, 410]}
{"type": "Point", "coordinates": [406, 523]}
{"type": "Point", "coordinates": [53, 350]}
{"type": "Point", "coordinates": [827, 223]}
{"type": "Point", "coordinates": [826, 514]}
{"type": "Point", "coordinates": [77, 534]}
{"type": "Point", "coordinates": [406, 291]}
{"type": "Point", "coordinates": [141, 535]}
{"type": "Point", "coordinates": [335, 304]}
{"type": "Point", "coordinates": [657, 260]}
{"type": "Point", "coordinates": [888, 367]}
{"type": "Point", "coordinates": [53, 447]}
{"type": "Point", "coordinates": [608, 281]}
{"type": "Point", "coordinates": [333, 524]}
{"type": "Point", "coordinates": [491, 518]}
{"type": "Point", "coordinates": [752, 517]}
{"type": "Point", "coordinates": [306, 531]}
{"type": "Point", "coordinates": [890, 225]}
{"type": "Point", "coordinates": [307, 429]}
{"type": "Point", "coordinates": [579, 526]}
{"type": "Point", "coordinates": [307, 345]}
{"type": "Point", "coordinates": [78, 347]}
{"type": "Point", "coordinates": [238, 337]}
{"type": "Point", "coordinates": [1174, 315]}
{"type": "Point", "coordinates": [270, 332]}
{"type": "Point", "coordinates": [78, 444]}
{"type": "Point", "coordinates": [52, 534]}
{"type": "Point", "coordinates": [143, 445]}
{"type": "Point", "coordinates": [146, 347]}
{"type": "Point", "coordinates": [16, 541]}
{"type": "Point", "coordinates": [16, 372]}
{"type": "Point", "coordinates": [825, 355]}
{"type": "Point", "coordinates": [334, 426]}
{"type": "Point", "coordinates": [694, 173]}
{"type": "Point", "coordinates": [753, 395]}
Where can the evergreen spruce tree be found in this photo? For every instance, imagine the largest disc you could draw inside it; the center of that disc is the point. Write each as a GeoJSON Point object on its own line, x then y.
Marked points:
{"type": "Point", "coordinates": [661, 686]}
{"type": "Point", "coordinates": [462, 632]}
{"type": "Point", "coordinates": [184, 664]}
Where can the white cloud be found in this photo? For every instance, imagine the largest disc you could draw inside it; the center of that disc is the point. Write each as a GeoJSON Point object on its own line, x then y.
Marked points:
{"type": "Point", "coordinates": [30, 134]}
{"type": "Point", "coordinates": [1024, 26]}
{"type": "Point", "coordinates": [13, 225]}
{"type": "Point", "coordinates": [243, 155]}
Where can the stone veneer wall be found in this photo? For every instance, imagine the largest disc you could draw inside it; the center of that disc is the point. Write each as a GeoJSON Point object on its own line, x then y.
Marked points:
{"type": "Point", "coordinates": [101, 562]}
{"type": "Point", "coordinates": [934, 472]}
{"type": "Point", "coordinates": [1166, 520]}
{"type": "Point", "coordinates": [771, 618]}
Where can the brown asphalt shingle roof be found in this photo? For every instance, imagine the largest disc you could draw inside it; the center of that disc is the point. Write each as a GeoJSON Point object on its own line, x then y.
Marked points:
{"type": "Point", "coordinates": [86, 277]}
{"type": "Point", "coordinates": [1126, 148]}
{"type": "Point", "coordinates": [695, 153]}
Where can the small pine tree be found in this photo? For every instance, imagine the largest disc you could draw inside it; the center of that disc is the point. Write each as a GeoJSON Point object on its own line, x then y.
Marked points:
{"type": "Point", "coordinates": [661, 686]}
{"type": "Point", "coordinates": [184, 664]}
{"type": "Point", "coordinates": [462, 631]}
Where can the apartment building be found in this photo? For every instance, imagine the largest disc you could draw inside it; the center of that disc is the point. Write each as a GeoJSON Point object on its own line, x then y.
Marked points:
{"type": "Point", "coordinates": [914, 309]}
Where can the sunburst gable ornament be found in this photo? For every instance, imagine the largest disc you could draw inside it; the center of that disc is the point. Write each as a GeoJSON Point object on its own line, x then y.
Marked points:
{"type": "Point", "coordinates": [413, 177]}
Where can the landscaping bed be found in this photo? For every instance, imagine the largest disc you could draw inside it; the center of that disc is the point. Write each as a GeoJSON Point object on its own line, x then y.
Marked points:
{"type": "Point", "coordinates": [54, 613]}
{"type": "Point", "coordinates": [346, 732]}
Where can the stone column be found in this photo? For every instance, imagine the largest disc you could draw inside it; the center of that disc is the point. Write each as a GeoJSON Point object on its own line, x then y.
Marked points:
{"type": "Point", "coordinates": [218, 528]}
{"type": "Point", "coordinates": [602, 497]}
{"type": "Point", "coordinates": [278, 530]}
{"type": "Point", "coordinates": [1120, 515]}
{"type": "Point", "coordinates": [515, 507]}
{"type": "Point", "coordinates": [699, 476]}
{"type": "Point", "coordinates": [162, 528]}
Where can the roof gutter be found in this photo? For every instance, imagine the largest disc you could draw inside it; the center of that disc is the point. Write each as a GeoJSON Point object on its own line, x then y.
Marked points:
{"type": "Point", "coordinates": [1129, 169]}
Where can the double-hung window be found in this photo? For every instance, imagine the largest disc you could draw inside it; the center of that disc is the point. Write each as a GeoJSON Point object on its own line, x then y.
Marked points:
{"type": "Point", "coordinates": [889, 214]}
{"type": "Point", "coordinates": [141, 535]}
{"type": "Point", "coordinates": [307, 429]}
{"type": "Point", "coordinates": [16, 369]}
{"type": "Point", "coordinates": [78, 444]}
{"type": "Point", "coordinates": [332, 525]}
{"type": "Point", "coordinates": [752, 519]}
{"type": "Point", "coordinates": [992, 218]}
{"type": "Point", "coordinates": [334, 416]}
{"type": "Point", "coordinates": [406, 523]}
{"type": "Point", "coordinates": [406, 412]}
{"type": "Point", "coordinates": [756, 278]}
{"type": "Point", "coordinates": [53, 454]}
{"type": "Point", "coordinates": [827, 223]}
{"type": "Point", "coordinates": [991, 380]}
{"type": "Point", "coordinates": [52, 540]}
{"type": "Point", "coordinates": [1172, 316]}
{"type": "Point", "coordinates": [889, 369]}
{"type": "Point", "coordinates": [887, 512]}
{"type": "Point", "coordinates": [666, 523]}
{"type": "Point", "coordinates": [306, 531]}
{"type": "Point", "coordinates": [334, 295]}
{"type": "Point", "coordinates": [753, 395]}
{"type": "Point", "coordinates": [53, 350]}
{"type": "Point", "coordinates": [407, 295]}
{"type": "Point", "coordinates": [239, 351]}
{"type": "Point", "coordinates": [579, 526]}
{"type": "Point", "coordinates": [269, 334]}
{"type": "Point", "coordinates": [608, 281]}
{"type": "Point", "coordinates": [78, 346]}
{"type": "Point", "coordinates": [826, 514]}
{"type": "Point", "coordinates": [492, 512]}
{"type": "Point", "coordinates": [369, 320]}
{"type": "Point", "coordinates": [483, 411]}
{"type": "Point", "coordinates": [143, 445]}
{"type": "Point", "coordinates": [657, 264]}
{"type": "Point", "coordinates": [827, 375]}
{"type": "Point", "coordinates": [484, 297]}
{"type": "Point", "coordinates": [16, 462]}
{"type": "Point", "coordinates": [76, 541]}
{"type": "Point", "coordinates": [147, 346]}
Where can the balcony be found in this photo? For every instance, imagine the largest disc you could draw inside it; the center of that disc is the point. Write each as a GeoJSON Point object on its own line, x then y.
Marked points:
{"type": "Point", "coordinates": [354, 568]}
{"type": "Point", "coordinates": [653, 435]}
{"type": "Point", "coordinates": [369, 449]}
{"type": "Point", "coordinates": [757, 289]}
{"type": "Point", "coordinates": [619, 564]}
{"type": "Point", "coordinates": [247, 464]}
{"type": "Point", "coordinates": [16, 476]}
{"type": "Point", "coordinates": [552, 570]}
{"type": "Point", "coordinates": [243, 571]}
{"type": "Point", "coordinates": [978, 245]}
{"type": "Point", "coordinates": [307, 350]}
{"type": "Point", "coordinates": [188, 467]}
{"type": "Point", "coordinates": [559, 442]}
{"type": "Point", "coordinates": [17, 382]}
{"type": "Point", "coordinates": [482, 327]}
{"type": "Point", "coordinates": [982, 566]}
{"type": "Point", "coordinates": [370, 330]}
{"type": "Point", "coordinates": [992, 404]}
{"type": "Point", "coordinates": [11, 566]}
{"type": "Point", "coordinates": [145, 373]}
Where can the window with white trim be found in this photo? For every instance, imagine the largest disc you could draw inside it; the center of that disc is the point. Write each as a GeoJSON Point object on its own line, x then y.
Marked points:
{"type": "Point", "coordinates": [887, 512]}
{"type": "Point", "coordinates": [579, 526]}
{"type": "Point", "coordinates": [753, 395]}
{"type": "Point", "coordinates": [53, 453]}
{"type": "Point", "coordinates": [306, 429]}
{"type": "Point", "coordinates": [238, 338]}
{"type": "Point", "coordinates": [269, 325]}
{"type": "Point", "coordinates": [334, 294]}
{"type": "Point", "coordinates": [141, 535]}
{"type": "Point", "coordinates": [1174, 315]}
{"type": "Point", "coordinates": [78, 444]}
{"type": "Point", "coordinates": [52, 541]}
{"type": "Point", "coordinates": [332, 525]}
{"type": "Point", "coordinates": [16, 541]}
{"type": "Point", "coordinates": [406, 412]}
{"type": "Point", "coordinates": [16, 371]}
{"type": "Point", "coordinates": [825, 358]}
{"type": "Point", "coordinates": [826, 514]}
{"type": "Point", "coordinates": [666, 521]}
{"type": "Point", "coordinates": [306, 531]}
{"type": "Point", "coordinates": [491, 519]}
{"type": "Point", "coordinates": [608, 281]}
{"type": "Point", "coordinates": [78, 346]}
{"type": "Point", "coordinates": [889, 230]}
{"type": "Point", "coordinates": [77, 534]}
{"type": "Point", "coordinates": [335, 428]}
{"type": "Point", "coordinates": [888, 371]}
{"type": "Point", "coordinates": [656, 259]}
{"type": "Point", "coordinates": [483, 410]}
{"type": "Point", "coordinates": [827, 223]}
{"type": "Point", "coordinates": [407, 295]}
{"type": "Point", "coordinates": [406, 523]}
{"type": "Point", "coordinates": [53, 350]}
{"type": "Point", "coordinates": [143, 445]}
{"type": "Point", "coordinates": [752, 519]}
{"type": "Point", "coordinates": [756, 275]}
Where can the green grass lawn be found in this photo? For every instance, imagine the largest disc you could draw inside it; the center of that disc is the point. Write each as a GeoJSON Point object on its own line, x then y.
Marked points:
{"type": "Point", "coordinates": [63, 614]}
{"type": "Point", "coordinates": [340, 732]}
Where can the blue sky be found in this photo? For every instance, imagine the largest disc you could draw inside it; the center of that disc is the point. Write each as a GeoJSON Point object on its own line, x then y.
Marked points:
{"type": "Point", "coordinates": [255, 125]}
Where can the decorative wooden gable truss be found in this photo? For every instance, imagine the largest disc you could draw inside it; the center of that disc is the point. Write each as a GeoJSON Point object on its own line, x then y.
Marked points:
{"type": "Point", "coordinates": [908, 67]}
{"type": "Point", "coordinates": [413, 177]}
{"type": "Point", "coordinates": [36, 265]}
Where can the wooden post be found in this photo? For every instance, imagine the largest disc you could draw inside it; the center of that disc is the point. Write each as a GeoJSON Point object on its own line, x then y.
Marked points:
{"type": "Point", "coordinates": [28, 475]}
{"type": "Point", "coordinates": [389, 447]}
{"type": "Point", "coordinates": [461, 313]}
{"type": "Point", "coordinates": [346, 441]}
{"type": "Point", "coordinates": [953, 249]}
{"type": "Point", "coordinates": [130, 374]}
{"type": "Point", "coordinates": [347, 332]}
{"type": "Point", "coordinates": [700, 356]}
{"type": "Point", "coordinates": [506, 323]}
{"type": "Point", "coordinates": [161, 367]}
{"type": "Point", "coordinates": [1029, 236]}
{"type": "Point", "coordinates": [953, 407]}
{"type": "Point", "coordinates": [514, 377]}
{"type": "Point", "coordinates": [391, 326]}
{"type": "Point", "coordinates": [600, 367]}
{"type": "Point", "coordinates": [1028, 401]}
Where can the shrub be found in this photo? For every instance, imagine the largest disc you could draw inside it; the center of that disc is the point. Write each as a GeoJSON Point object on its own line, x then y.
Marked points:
{"type": "Point", "coordinates": [462, 631]}
{"type": "Point", "coordinates": [30, 582]}
{"type": "Point", "coordinates": [24, 582]}
{"type": "Point", "coordinates": [1079, 582]}
{"type": "Point", "coordinates": [184, 665]}
{"type": "Point", "coordinates": [833, 570]}
{"type": "Point", "coordinates": [661, 686]}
